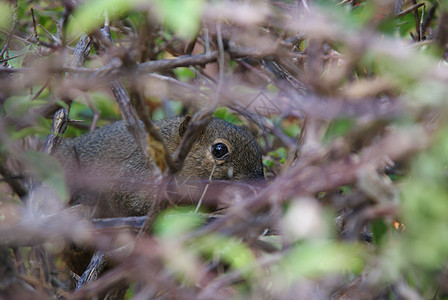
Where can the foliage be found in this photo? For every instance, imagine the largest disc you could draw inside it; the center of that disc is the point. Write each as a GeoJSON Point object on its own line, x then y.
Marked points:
{"type": "Point", "coordinates": [346, 98]}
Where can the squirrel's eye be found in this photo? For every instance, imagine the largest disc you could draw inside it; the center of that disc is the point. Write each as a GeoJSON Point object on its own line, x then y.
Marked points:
{"type": "Point", "coordinates": [220, 150]}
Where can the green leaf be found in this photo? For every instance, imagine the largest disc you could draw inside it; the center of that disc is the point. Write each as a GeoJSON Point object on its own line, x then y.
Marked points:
{"type": "Point", "coordinates": [280, 153]}
{"type": "Point", "coordinates": [320, 258]}
{"type": "Point", "coordinates": [338, 128]}
{"type": "Point", "coordinates": [18, 106]}
{"type": "Point", "coordinates": [184, 74]}
{"type": "Point", "coordinates": [90, 14]}
{"type": "Point", "coordinates": [102, 102]}
{"type": "Point", "coordinates": [183, 17]}
{"type": "Point", "coordinates": [47, 169]}
{"type": "Point", "coordinates": [176, 221]}
{"type": "Point", "coordinates": [268, 163]}
{"type": "Point", "coordinates": [20, 53]}
{"type": "Point", "coordinates": [379, 230]}
{"type": "Point", "coordinates": [6, 13]}
{"type": "Point", "coordinates": [227, 249]}
{"type": "Point", "coordinates": [224, 114]}
{"type": "Point", "coordinates": [406, 24]}
{"type": "Point", "coordinates": [292, 130]}
{"type": "Point", "coordinates": [345, 190]}
{"type": "Point", "coordinates": [425, 208]}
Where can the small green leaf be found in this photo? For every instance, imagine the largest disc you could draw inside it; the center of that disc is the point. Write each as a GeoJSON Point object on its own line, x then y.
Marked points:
{"type": "Point", "coordinates": [47, 170]}
{"type": "Point", "coordinates": [280, 153]}
{"type": "Point", "coordinates": [6, 13]}
{"type": "Point", "coordinates": [345, 189]}
{"type": "Point", "coordinates": [176, 221]}
{"type": "Point", "coordinates": [292, 130]}
{"type": "Point", "coordinates": [338, 128]}
{"type": "Point", "coordinates": [18, 106]}
{"type": "Point", "coordinates": [224, 114]}
{"type": "Point", "coordinates": [90, 14]}
{"type": "Point", "coordinates": [319, 258]}
{"type": "Point", "coordinates": [379, 230]}
{"type": "Point", "coordinates": [227, 249]}
{"type": "Point", "coordinates": [184, 74]}
{"type": "Point", "coordinates": [21, 53]}
{"type": "Point", "coordinates": [268, 163]}
{"type": "Point", "coordinates": [183, 17]}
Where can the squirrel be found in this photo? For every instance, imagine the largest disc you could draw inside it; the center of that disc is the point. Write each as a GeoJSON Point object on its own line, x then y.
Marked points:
{"type": "Point", "coordinates": [223, 151]}
{"type": "Point", "coordinates": [107, 170]}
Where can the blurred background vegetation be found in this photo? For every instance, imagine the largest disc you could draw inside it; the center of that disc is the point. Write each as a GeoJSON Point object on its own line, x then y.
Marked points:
{"type": "Point", "coordinates": [347, 99]}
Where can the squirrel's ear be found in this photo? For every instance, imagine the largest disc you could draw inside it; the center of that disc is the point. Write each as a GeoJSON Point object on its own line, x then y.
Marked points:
{"type": "Point", "coordinates": [184, 125]}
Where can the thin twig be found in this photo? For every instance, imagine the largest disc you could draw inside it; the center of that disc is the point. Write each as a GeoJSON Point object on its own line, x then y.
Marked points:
{"type": "Point", "coordinates": [417, 21]}
{"type": "Point", "coordinates": [429, 16]}
{"type": "Point", "coordinates": [410, 9]}
{"type": "Point", "coordinates": [41, 89]}
{"type": "Point", "coordinates": [55, 38]}
{"type": "Point", "coordinates": [96, 265]}
{"type": "Point", "coordinates": [181, 61]}
{"type": "Point", "coordinates": [9, 58]}
{"type": "Point", "coordinates": [36, 35]}
{"type": "Point", "coordinates": [14, 24]}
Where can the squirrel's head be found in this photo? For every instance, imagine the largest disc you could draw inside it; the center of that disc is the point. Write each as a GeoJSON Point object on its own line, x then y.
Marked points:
{"type": "Point", "coordinates": [224, 151]}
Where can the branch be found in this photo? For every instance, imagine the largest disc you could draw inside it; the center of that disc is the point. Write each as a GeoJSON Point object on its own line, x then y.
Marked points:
{"type": "Point", "coordinates": [181, 61]}
{"type": "Point", "coordinates": [307, 179]}
{"type": "Point", "coordinates": [58, 127]}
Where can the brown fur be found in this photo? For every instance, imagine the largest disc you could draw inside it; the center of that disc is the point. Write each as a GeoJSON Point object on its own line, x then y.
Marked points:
{"type": "Point", "coordinates": [108, 166]}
